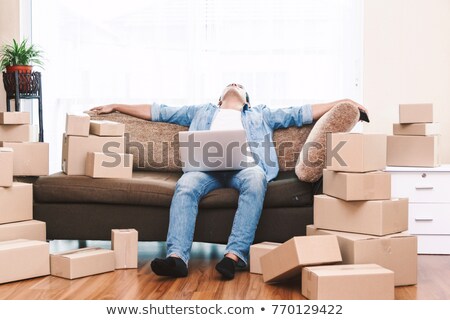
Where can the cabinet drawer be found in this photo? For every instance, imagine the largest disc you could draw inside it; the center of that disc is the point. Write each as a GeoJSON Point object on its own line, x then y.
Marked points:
{"type": "Point", "coordinates": [428, 187]}
{"type": "Point", "coordinates": [427, 218]}
{"type": "Point", "coordinates": [436, 244]}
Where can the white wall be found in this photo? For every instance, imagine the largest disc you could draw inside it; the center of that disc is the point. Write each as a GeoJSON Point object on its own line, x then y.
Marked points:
{"type": "Point", "coordinates": [407, 60]}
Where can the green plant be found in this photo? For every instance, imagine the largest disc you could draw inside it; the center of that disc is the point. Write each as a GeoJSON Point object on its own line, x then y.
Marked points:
{"type": "Point", "coordinates": [22, 54]}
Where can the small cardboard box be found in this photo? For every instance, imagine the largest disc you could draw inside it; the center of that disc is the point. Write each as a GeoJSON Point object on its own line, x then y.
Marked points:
{"type": "Point", "coordinates": [23, 259]}
{"type": "Point", "coordinates": [375, 217]}
{"type": "Point", "coordinates": [416, 129]}
{"type": "Point", "coordinates": [81, 262]}
{"type": "Point", "coordinates": [413, 151]}
{"type": "Point", "coordinates": [416, 113]}
{"type": "Point", "coordinates": [351, 186]}
{"type": "Point", "coordinates": [356, 152]}
{"type": "Point", "coordinates": [6, 165]}
{"type": "Point", "coordinates": [75, 151]}
{"type": "Point", "coordinates": [16, 202]}
{"type": "Point", "coordinates": [31, 230]}
{"type": "Point", "coordinates": [15, 132]}
{"type": "Point", "coordinates": [125, 246]}
{"type": "Point", "coordinates": [348, 282]}
{"type": "Point", "coordinates": [14, 118]}
{"type": "Point", "coordinates": [30, 158]}
{"type": "Point", "coordinates": [257, 251]}
{"type": "Point", "coordinates": [109, 165]}
{"type": "Point", "coordinates": [396, 252]}
{"type": "Point", "coordinates": [107, 128]}
{"type": "Point", "coordinates": [77, 124]}
{"type": "Point", "coordinates": [286, 260]}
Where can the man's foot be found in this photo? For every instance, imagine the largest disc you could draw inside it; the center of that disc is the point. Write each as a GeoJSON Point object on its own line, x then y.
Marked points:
{"type": "Point", "coordinates": [169, 267]}
{"type": "Point", "coordinates": [227, 268]}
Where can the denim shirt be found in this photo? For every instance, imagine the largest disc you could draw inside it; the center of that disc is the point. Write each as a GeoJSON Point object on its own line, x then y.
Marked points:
{"type": "Point", "coordinates": [259, 123]}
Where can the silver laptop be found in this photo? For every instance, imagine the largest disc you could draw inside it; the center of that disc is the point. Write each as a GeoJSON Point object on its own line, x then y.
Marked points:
{"type": "Point", "coordinates": [214, 150]}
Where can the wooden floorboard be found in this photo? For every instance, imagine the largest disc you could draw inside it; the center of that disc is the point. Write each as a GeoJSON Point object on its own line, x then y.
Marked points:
{"type": "Point", "coordinates": [203, 282]}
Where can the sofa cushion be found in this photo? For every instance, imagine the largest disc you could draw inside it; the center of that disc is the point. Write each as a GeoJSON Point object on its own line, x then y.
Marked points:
{"type": "Point", "coordinates": [157, 188]}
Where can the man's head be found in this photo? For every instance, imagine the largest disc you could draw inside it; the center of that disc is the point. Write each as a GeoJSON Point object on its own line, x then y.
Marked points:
{"type": "Point", "coordinates": [234, 92]}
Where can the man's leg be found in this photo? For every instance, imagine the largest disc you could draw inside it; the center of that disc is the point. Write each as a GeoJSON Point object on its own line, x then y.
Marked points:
{"type": "Point", "coordinates": [190, 188]}
{"type": "Point", "coordinates": [251, 184]}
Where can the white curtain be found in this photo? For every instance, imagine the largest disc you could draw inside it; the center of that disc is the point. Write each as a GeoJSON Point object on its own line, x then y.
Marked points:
{"type": "Point", "coordinates": [178, 52]}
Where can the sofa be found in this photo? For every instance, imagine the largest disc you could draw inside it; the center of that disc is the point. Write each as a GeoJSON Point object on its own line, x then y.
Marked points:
{"type": "Point", "coordinates": [83, 208]}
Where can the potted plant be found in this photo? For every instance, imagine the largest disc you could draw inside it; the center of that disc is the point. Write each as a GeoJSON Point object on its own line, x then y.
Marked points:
{"type": "Point", "coordinates": [20, 57]}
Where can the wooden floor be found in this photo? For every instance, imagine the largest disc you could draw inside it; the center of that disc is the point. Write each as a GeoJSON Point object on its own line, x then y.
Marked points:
{"type": "Point", "coordinates": [203, 281]}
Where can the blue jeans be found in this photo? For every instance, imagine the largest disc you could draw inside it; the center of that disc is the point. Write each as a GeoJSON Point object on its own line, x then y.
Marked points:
{"type": "Point", "coordinates": [251, 183]}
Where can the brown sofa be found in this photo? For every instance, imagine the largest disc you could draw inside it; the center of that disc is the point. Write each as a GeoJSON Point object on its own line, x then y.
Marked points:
{"type": "Point", "coordinates": [79, 207]}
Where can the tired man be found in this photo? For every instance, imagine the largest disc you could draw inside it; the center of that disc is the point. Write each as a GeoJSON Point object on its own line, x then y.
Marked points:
{"type": "Point", "coordinates": [232, 112]}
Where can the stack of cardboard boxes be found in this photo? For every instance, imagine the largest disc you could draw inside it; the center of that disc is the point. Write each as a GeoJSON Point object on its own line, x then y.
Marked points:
{"type": "Point", "coordinates": [416, 138]}
{"type": "Point", "coordinates": [21, 238]}
{"type": "Point", "coordinates": [95, 148]}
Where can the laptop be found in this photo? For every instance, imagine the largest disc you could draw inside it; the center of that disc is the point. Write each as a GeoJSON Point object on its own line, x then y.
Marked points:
{"type": "Point", "coordinates": [219, 150]}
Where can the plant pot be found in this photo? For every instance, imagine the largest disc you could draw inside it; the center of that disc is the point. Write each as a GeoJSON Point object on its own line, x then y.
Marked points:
{"type": "Point", "coordinates": [21, 69]}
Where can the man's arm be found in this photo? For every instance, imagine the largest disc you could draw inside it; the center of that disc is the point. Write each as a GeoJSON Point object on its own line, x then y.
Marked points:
{"type": "Point", "coordinates": [142, 111]}
{"type": "Point", "coordinates": [318, 110]}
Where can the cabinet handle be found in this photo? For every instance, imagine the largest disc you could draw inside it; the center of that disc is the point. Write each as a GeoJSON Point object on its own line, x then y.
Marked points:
{"type": "Point", "coordinates": [425, 188]}
{"type": "Point", "coordinates": [424, 219]}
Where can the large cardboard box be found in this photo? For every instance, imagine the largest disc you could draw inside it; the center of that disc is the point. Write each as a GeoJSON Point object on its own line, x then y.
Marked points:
{"type": "Point", "coordinates": [16, 202]}
{"type": "Point", "coordinates": [356, 152]}
{"type": "Point", "coordinates": [77, 124]}
{"type": "Point", "coordinates": [416, 129]}
{"type": "Point", "coordinates": [413, 151]}
{"type": "Point", "coordinates": [416, 113]}
{"type": "Point", "coordinates": [14, 118]}
{"type": "Point", "coordinates": [31, 230]}
{"type": "Point", "coordinates": [375, 217]}
{"type": "Point", "coordinates": [257, 251]}
{"type": "Point", "coordinates": [81, 262]}
{"type": "Point", "coordinates": [124, 243]}
{"type": "Point", "coordinates": [23, 259]}
{"type": "Point", "coordinates": [109, 165]}
{"type": "Point", "coordinates": [15, 132]}
{"type": "Point", "coordinates": [75, 151]}
{"type": "Point", "coordinates": [107, 128]}
{"type": "Point", "coordinates": [396, 252]}
{"type": "Point", "coordinates": [30, 158]}
{"type": "Point", "coordinates": [348, 282]}
{"type": "Point", "coordinates": [349, 186]}
{"type": "Point", "coordinates": [6, 165]}
{"type": "Point", "coordinates": [286, 260]}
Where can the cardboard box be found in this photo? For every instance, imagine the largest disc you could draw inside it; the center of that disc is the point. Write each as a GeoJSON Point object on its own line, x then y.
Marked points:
{"type": "Point", "coordinates": [81, 262]}
{"type": "Point", "coordinates": [396, 252]}
{"type": "Point", "coordinates": [77, 124]}
{"type": "Point", "coordinates": [348, 282]}
{"type": "Point", "coordinates": [375, 217]}
{"type": "Point", "coordinates": [416, 113]}
{"type": "Point", "coordinates": [6, 165]}
{"type": "Point", "coordinates": [109, 165]}
{"type": "Point", "coordinates": [413, 151]}
{"type": "Point", "coordinates": [14, 118]}
{"type": "Point", "coordinates": [375, 185]}
{"type": "Point", "coordinates": [107, 128]}
{"type": "Point", "coordinates": [124, 243]}
{"type": "Point", "coordinates": [416, 129]}
{"type": "Point", "coordinates": [30, 158]}
{"type": "Point", "coordinates": [257, 251]}
{"type": "Point", "coordinates": [356, 152]}
{"type": "Point", "coordinates": [31, 230]}
{"type": "Point", "coordinates": [16, 202]}
{"type": "Point", "coordinates": [286, 260]}
{"type": "Point", "coordinates": [75, 151]}
{"type": "Point", "coordinates": [15, 132]}
{"type": "Point", "coordinates": [23, 259]}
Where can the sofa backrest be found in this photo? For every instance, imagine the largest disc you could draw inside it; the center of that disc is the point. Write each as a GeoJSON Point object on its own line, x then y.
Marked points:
{"type": "Point", "coordinates": [154, 145]}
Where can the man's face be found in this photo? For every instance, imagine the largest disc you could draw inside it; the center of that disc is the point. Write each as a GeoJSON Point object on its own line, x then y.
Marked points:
{"type": "Point", "coordinates": [236, 90]}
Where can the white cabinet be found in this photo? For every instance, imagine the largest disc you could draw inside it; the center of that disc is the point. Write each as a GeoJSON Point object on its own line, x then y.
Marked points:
{"type": "Point", "coordinates": [428, 191]}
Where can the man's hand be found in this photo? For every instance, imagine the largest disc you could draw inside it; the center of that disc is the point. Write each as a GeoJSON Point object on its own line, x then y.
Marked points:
{"type": "Point", "coordinates": [104, 109]}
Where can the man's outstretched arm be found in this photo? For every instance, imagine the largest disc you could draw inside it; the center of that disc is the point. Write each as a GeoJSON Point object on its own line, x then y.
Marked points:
{"type": "Point", "coordinates": [142, 111]}
{"type": "Point", "coordinates": [318, 110]}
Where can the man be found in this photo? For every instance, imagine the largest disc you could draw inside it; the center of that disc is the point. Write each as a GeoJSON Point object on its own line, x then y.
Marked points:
{"type": "Point", "coordinates": [233, 112]}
